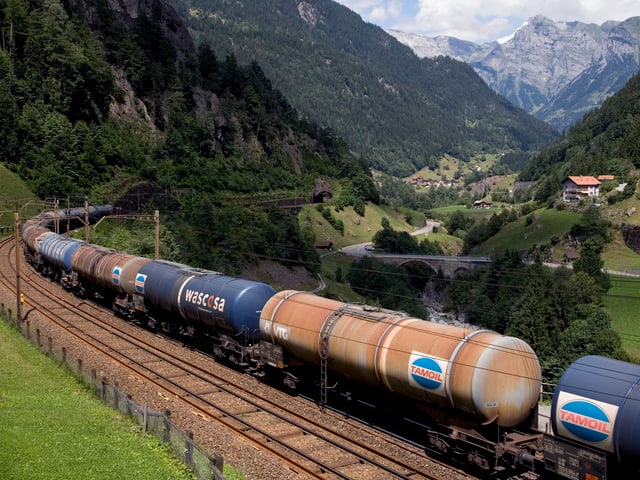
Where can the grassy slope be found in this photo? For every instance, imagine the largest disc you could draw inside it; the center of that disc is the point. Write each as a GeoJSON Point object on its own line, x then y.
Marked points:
{"type": "Point", "coordinates": [545, 224]}
{"type": "Point", "coordinates": [54, 428]}
{"type": "Point", "coordinates": [12, 188]}
{"type": "Point", "coordinates": [357, 229]}
{"type": "Point", "coordinates": [13, 193]}
{"type": "Point", "coordinates": [623, 304]}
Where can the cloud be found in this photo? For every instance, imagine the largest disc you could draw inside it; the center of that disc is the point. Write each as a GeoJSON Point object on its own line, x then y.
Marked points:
{"type": "Point", "coordinates": [379, 12]}
{"type": "Point", "coordinates": [484, 20]}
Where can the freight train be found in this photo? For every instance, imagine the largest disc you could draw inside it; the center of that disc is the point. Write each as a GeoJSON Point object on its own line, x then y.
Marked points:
{"type": "Point", "coordinates": [479, 390]}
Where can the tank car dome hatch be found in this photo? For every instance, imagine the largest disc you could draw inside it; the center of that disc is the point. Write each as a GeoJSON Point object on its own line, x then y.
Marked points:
{"type": "Point", "coordinates": [597, 402]}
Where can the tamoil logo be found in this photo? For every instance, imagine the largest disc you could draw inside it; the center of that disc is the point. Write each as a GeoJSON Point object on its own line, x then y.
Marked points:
{"type": "Point", "coordinates": [115, 276]}
{"type": "Point", "coordinates": [426, 372]}
{"type": "Point", "coordinates": [139, 282]}
{"type": "Point", "coordinates": [585, 420]}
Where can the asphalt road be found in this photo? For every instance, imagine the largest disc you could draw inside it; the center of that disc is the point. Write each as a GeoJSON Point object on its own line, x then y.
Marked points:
{"type": "Point", "coordinates": [360, 249]}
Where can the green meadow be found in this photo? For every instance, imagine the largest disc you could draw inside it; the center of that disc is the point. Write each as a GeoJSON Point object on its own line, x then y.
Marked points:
{"type": "Point", "coordinates": [53, 427]}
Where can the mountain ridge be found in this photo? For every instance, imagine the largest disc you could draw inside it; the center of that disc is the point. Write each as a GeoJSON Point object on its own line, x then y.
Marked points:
{"type": "Point", "coordinates": [557, 71]}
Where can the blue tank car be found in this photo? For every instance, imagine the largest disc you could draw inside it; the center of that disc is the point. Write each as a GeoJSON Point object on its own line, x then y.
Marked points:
{"type": "Point", "coordinates": [98, 211]}
{"type": "Point", "coordinates": [159, 282]}
{"type": "Point", "coordinates": [225, 303]}
{"type": "Point", "coordinates": [58, 250]}
{"type": "Point", "coordinates": [597, 402]}
{"type": "Point", "coordinates": [204, 298]}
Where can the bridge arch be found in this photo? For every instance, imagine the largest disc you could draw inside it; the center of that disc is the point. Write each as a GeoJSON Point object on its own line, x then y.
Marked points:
{"type": "Point", "coordinates": [419, 261]}
{"type": "Point", "coordinates": [461, 271]}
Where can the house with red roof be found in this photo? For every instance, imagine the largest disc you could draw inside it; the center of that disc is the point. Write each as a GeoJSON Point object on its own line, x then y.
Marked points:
{"type": "Point", "coordinates": [578, 187]}
{"type": "Point", "coordinates": [606, 178]}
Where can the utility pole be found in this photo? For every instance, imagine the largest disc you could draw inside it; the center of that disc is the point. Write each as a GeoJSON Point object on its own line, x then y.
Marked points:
{"type": "Point", "coordinates": [86, 219]}
{"type": "Point", "coordinates": [56, 216]}
{"type": "Point", "coordinates": [19, 295]}
{"type": "Point", "coordinates": [156, 222]}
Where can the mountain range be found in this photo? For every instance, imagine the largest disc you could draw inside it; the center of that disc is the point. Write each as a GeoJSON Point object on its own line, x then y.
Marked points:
{"type": "Point", "coordinates": [557, 71]}
{"type": "Point", "coordinates": [398, 111]}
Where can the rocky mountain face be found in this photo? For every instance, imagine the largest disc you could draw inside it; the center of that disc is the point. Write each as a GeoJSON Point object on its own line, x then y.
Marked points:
{"type": "Point", "coordinates": [128, 12]}
{"type": "Point", "coordinates": [557, 71]}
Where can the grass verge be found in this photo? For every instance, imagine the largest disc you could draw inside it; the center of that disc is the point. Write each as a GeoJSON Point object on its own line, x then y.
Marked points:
{"type": "Point", "coordinates": [54, 428]}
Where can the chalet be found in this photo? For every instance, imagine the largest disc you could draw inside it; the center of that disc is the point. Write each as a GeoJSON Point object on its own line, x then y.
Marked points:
{"type": "Point", "coordinates": [482, 204]}
{"type": "Point", "coordinates": [570, 256]}
{"type": "Point", "coordinates": [576, 188]}
{"type": "Point", "coordinates": [324, 245]}
{"type": "Point", "coordinates": [606, 178]}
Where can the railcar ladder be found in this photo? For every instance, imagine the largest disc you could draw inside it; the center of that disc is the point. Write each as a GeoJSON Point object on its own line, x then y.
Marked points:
{"type": "Point", "coordinates": [324, 352]}
{"type": "Point", "coordinates": [325, 334]}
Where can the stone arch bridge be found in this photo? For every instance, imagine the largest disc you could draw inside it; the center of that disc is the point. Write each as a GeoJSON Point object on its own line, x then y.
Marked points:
{"type": "Point", "coordinates": [450, 266]}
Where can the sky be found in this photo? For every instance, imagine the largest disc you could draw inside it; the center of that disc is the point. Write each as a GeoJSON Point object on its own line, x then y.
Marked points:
{"type": "Point", "coordinates": [482, 21]}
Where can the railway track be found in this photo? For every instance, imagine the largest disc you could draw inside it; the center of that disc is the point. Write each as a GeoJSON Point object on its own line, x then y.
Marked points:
{"type": "Point", "coordinates": [310, 443]}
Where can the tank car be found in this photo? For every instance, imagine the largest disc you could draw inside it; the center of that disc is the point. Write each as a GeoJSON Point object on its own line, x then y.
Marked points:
{"type": "Point", "coordinates": [33, 234]}
{"type": "Point", "coordinates": [187, 298]}
{"type": "Point", "coordinates": [123, 273]}
{"type": "Point", "coordinates": [595, 416]}
{"type": "Point", "coordinates": [71, 218]}
{"type": "Point", "coordinates": [57, 252]}
{"type": "Point", "coordinates": [87, 278]}
{"type": "Point", "coordinates": [483, 376]}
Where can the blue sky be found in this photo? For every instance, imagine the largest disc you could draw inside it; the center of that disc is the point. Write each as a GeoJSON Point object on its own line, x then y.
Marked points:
{"type": "Point", "coordinates": [484, 20]}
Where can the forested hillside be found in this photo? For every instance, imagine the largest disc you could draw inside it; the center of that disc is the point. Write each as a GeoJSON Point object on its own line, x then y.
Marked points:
{"type": "Point", "coordinates": [606, 141]}
{"type": "Point", "coordinates": [118, 106]}
{"type": "Point", "coordinates": [397, 110]}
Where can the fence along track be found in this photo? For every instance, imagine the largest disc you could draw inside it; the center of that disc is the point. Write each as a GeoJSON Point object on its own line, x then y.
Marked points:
{"type": "Point", "coordinates": [307, 447]}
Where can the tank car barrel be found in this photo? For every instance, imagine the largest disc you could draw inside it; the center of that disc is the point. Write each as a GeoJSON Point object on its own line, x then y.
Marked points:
{"type": "Point", "coordinates": [478, 373]}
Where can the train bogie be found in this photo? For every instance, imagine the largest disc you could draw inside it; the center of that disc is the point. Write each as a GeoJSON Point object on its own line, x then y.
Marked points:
{"type": "Point", "coordinates": [477, 373]}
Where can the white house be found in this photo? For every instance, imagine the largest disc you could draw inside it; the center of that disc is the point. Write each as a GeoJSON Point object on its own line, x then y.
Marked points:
{"type": "Point", "coordinates": [575, 188]}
